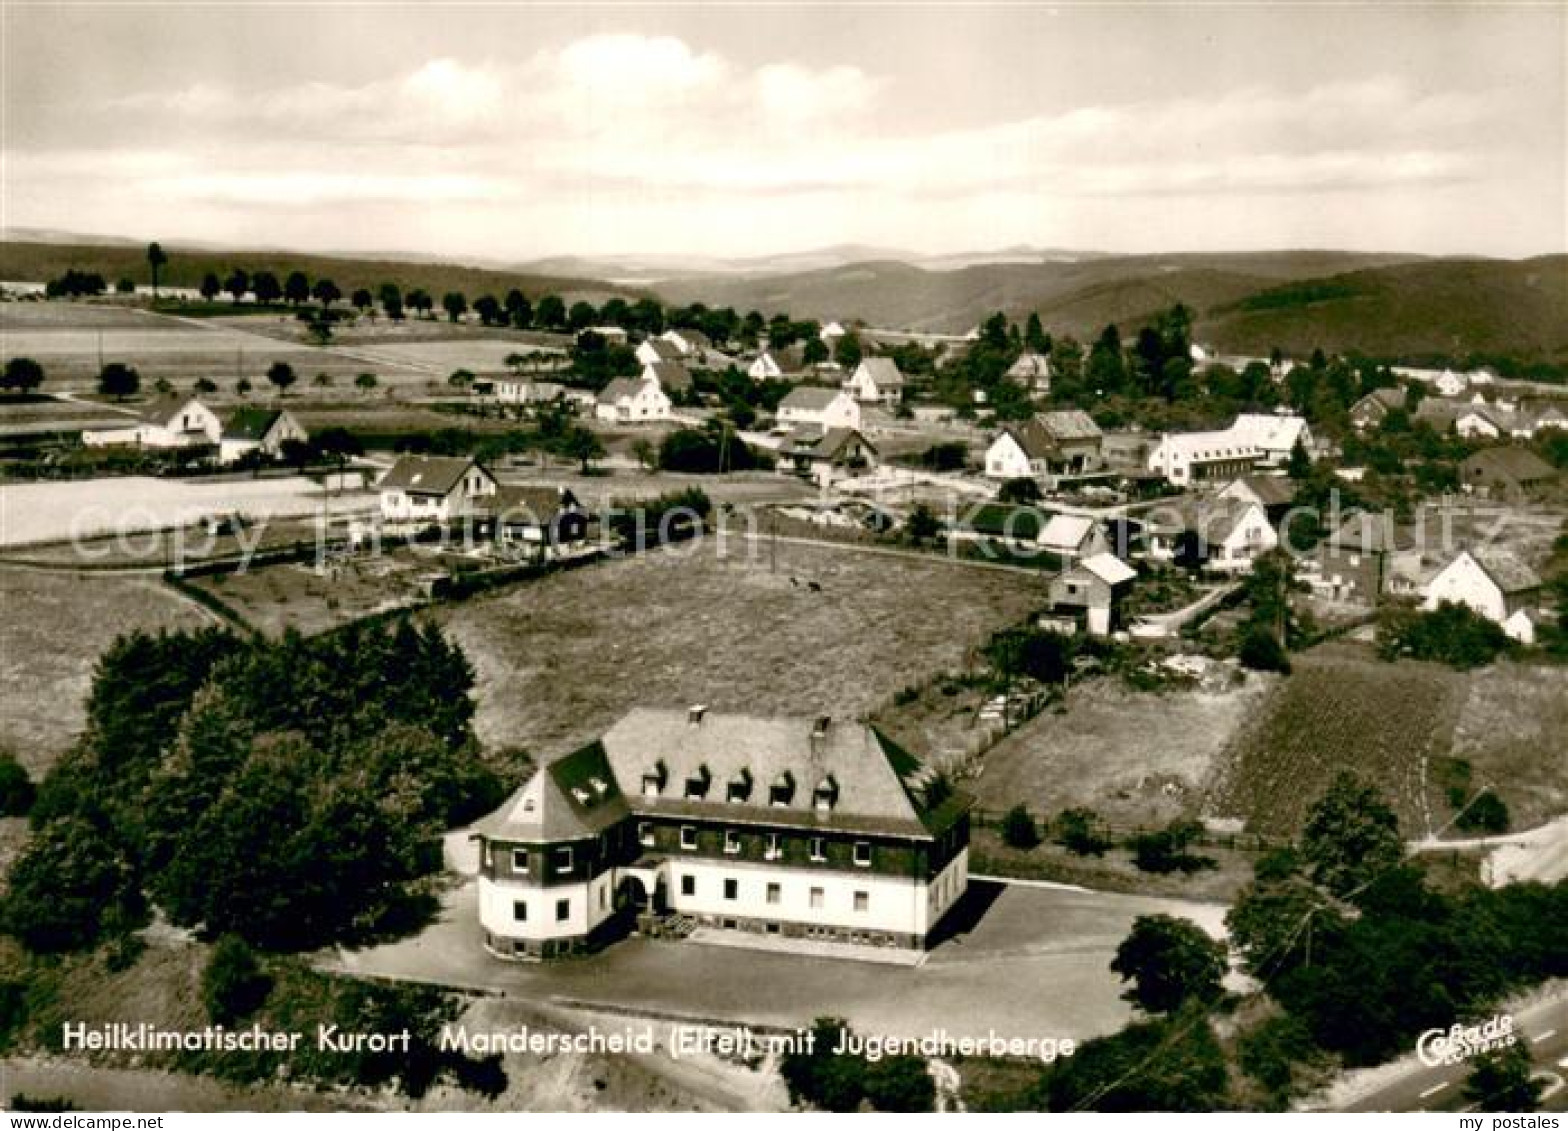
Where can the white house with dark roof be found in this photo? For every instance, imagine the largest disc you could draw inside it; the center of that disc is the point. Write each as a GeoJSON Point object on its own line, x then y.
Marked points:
{"type": "Point", "coordinates": [1223, 534]}
{"type": "Point", "coordinates": [632, 400]}
{"type": "Point", "coordinates": [876, 380]}
{"type": "Point", "coordinates": [657, 349]}
{"type": "Point", "coordinates": [422, 491]}
{"type": "Point", "coordinates": [1032, 371]}
{"type": "Point", "coordinates": [1494, 583]}
{"type": "Point", "coordinates": [170, 422]}
{"type": "Point", "coordinates": [1091, 590]}
{"type": "Point", "coordinates": [765, 367]}
{"type": "Point", "coordinates": [824, 456]}
{"type": "Point", "coordinates": [547, 520]}
{"type": "Point", "coordinates": [804, 828]}
{"type": "Point", "coordinates": [690, 343]}
{"type": "Point", "coordinates": [820, 408]}
{"type": "Point", "coordinates": [257, 429]}
{"type": "Point", "coordinates": [1063, 442]}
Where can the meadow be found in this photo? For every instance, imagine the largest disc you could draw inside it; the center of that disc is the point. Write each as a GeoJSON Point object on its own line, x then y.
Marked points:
{"type": "Point", "coordinates": [560, 659]}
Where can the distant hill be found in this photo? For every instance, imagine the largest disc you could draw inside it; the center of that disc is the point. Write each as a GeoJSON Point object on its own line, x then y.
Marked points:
{"type": "Point", "coordinates": [1077, 296]}
{"type": "Point", "coordinates": [24, 261]}
{"type": "Point", "coordinates": [1451, 307]}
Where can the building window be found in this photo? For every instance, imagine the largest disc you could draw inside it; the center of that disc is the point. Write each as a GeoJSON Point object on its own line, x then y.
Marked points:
{"type": "Point", "coordinates": [862, 901]}
{"type": "Point", "coordinates": [520, 910]}
{"type": "Point", "coordinates": [563, 859]}
{"type": "Point", "coordinates": [519, 859]}
{"type": "Point", "coordinates": [688, 885]}
{"type": "Point", "coordinates": [731, 841]}
{"type": "Point", "coordinates": [563, 910]}
{"type": "Point", "coordinates": [862, 854]}
{"type": "Point", "coordinates": [731, 889]}
{"type": "Point", "coordinates": [818, 849]}
{"type": "Point", "coordinates": [645, 833]}
{"type": "Point", "coordinates": [774, 849]}
{"type": "Point", "coordinates": [816, 899]}
{"type": "Point", "coordinates": [688, 836]}
{"type": "Point", "coordinates": [775, 893]}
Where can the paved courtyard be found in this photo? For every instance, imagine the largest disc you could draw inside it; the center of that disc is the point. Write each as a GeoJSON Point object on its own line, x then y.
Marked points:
{"type": "Point", "coordinates": [1034, 964]}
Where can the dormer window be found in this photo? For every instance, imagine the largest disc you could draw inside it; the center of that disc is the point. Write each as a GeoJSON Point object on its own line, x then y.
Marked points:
{"type": "Point", "coordinates": [697, 784]}
{"type": "Point", "coordinates": [581, 795]}
{"type": "Point", "coordinates": [653, 780]}
{"type": "Point", "coordinates": [782, 791]}
{"type": "Point", "coordinates": [825, 796]}
{"type": "Point", "coordinates": [739, 788]}
{"type": "Point", "coordinates": [599, 786]}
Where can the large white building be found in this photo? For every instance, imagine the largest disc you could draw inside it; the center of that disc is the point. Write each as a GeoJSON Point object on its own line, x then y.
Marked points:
{"type": "Point", "coordinates": [171, 422]}
{"type": "Point", "coordinates": [797, 827]}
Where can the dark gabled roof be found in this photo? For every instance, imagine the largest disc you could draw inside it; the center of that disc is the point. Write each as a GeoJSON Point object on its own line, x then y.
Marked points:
{"type": "Point", "coordinates": [1029, 366]}
{"type": "Point", "coordinates": [538, 505]}
{"type": "Point", "coordinates": [163, 409]}
{"type": "Point", "coordinates": [429, 475]}
{"type": "Point", "coordinates": [1271, 490]}
{"type": "Point", "coordinates": [1518, 464]}
{"type": "Point", "coordinates": [620, 387]}
{"type": "Point", "coordinates": [1507, 570]}
{"type": "Point", "coordinates": [251, 423]}
{"type": "Point", "coordinates": [1369, 532]}
{"type": "Point", "coordinates": [814, 444]}
{"type": "Point", "coordinates": [667, 351]}
{"type": "Point", "coordinates": [1069, 424]}
{"type": "Point", "coordinates": [878, 785]}
{"type": "Point", "coordinates": [883, 371]}
{"type": "Point", "coordinates": [572, 798]}
{"type": "Point", "coordinates": [1387, 398]}
{"type": "Point", "coordinates": [671, 375]}
{"type": "Point", "coordinates": [810, 398]}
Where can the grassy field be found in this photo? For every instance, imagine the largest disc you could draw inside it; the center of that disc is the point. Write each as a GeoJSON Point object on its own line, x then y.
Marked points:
{"type": "Point", "coordinates": [1341, 709]}
{"type": "Point", "coordinates": [1513, 730]}
{"type": "Point", "coordinates": [1136, 758]}
{"type": "Point", "coordinates": [560, 659]}
{"type": "Point", "coordinates": [54, 629]}
{"type": "Point", "coordinates": [69, 338]}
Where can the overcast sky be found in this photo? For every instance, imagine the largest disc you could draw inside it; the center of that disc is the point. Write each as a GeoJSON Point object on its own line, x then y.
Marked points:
{"type": "Point", "coordinates": [513, 132]}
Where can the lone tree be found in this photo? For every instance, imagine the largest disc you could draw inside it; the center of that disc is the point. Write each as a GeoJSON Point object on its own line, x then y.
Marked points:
{"type": "Point", "coordinates": [156, 258]}
{"type": "Point", "coordinates": [1169, 961]}
{"type": "Point", "coordinates": [454, 304]}
{"type": "Point", "coordinates": [1351, 837]}
{"type": "Point", "coordinates": [118, 380]}
{"type": "Point", "coordinates": [365, 381]}
{"type": "Point", "coordinates": [582, 445]}
{"type": "Point", "coordinates": [392, 301]}
{"type": "Point", "coordinates": [362, 300]}
{"type": "Point", "coordinates": [22, 375]}
{"type": "Point", "coordinates": [282, 375]}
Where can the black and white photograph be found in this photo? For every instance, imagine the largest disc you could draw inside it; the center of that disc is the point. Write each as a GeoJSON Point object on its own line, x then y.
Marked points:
{"type": "Point", "coordinates": [930, 557]}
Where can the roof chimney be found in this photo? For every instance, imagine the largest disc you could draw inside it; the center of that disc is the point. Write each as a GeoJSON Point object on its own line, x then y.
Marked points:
{"type": "Point", "coordinates": [695, 712]}
{"type": "Point", "coordinates": [819, 734]}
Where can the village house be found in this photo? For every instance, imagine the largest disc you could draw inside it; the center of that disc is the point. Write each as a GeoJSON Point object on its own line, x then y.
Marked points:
{"type": "Point", "coordinates": [1091, 592]}
{"type": "Point", "coordinates": [819, 408]}
{"type": "Point", "coordinates": [1371, 410]}
{"type": "Point", "coordinates": [512, 391]}
{"type": "Point", "coordinates": [657, 349]}
{"type": "Point", "coordinates": [1032, 371]}
{"type": "Point", "coordinates": [824, 457]}
{"type": "Point", "coordinates": [1368, 556]}
{"type": "Point", "coordinates": [1450, 384]}
{"type": "Point", "coordinates": [632, 400]}
{"type": "Point", "coordinates": [671, 376]}
{"type": "Point", "coordinates": [1440, 413]}
{"type": "Point", "coordinates": [1493, 583]}
{"type": "Point", "coordinates": [1482, 424]}
{"type": "Point", "coordinates": [258, 430]}
{"type": "Point", "coordinates": [693, 344]}
{"type": "Point", "coordinates": [1274, 493]}
{"type": "Point", "coordinates": [1071, 537]}
{"type": "Point", "coordinates": [1189, 459]}
{"type": "Point", "coordinates": [876, 380]}
{"type": "Point", "coordinates": [612, 335]}
{"type": "Point", "coordinates": [830, 334]}
{"type": "Point", "coordinates": [795, 828]}
{"type": "Point", "coordinates": [1274, 435]}
{"type": "Point", "coordinates": [1226, 535]}
{"type": "Point", "coordinates": [170, 422]}
{"type": "Point", "coordinates": [1065, 442]}
{"type": "Point", "coordinates": [425, 491]}
{"type": "Point", "coordinates": [765, 367]}
{"type": "Point", "coordinates": [1505, 473]}
{"type": "Point", "coordinates": [545, 520]}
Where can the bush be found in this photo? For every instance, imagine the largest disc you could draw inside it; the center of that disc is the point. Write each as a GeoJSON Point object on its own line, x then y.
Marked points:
{"type": "Point", "coordinates": [1488, 813]}
{"type": "Point", "coordinates": [16, 788]}
{"type": "Point", "coordinates": [1165, 850]}
{"type": "Point", "coordinates": [1451, 634]}
{"type": "Point", "coordinates": [234, 985]}
{"type": "Point", "coordinates": [1081, 832]}
{"type": "Point", "coordinates": [1262, 653]}
{"type": "Point", "coordinates": [1019, 829]}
